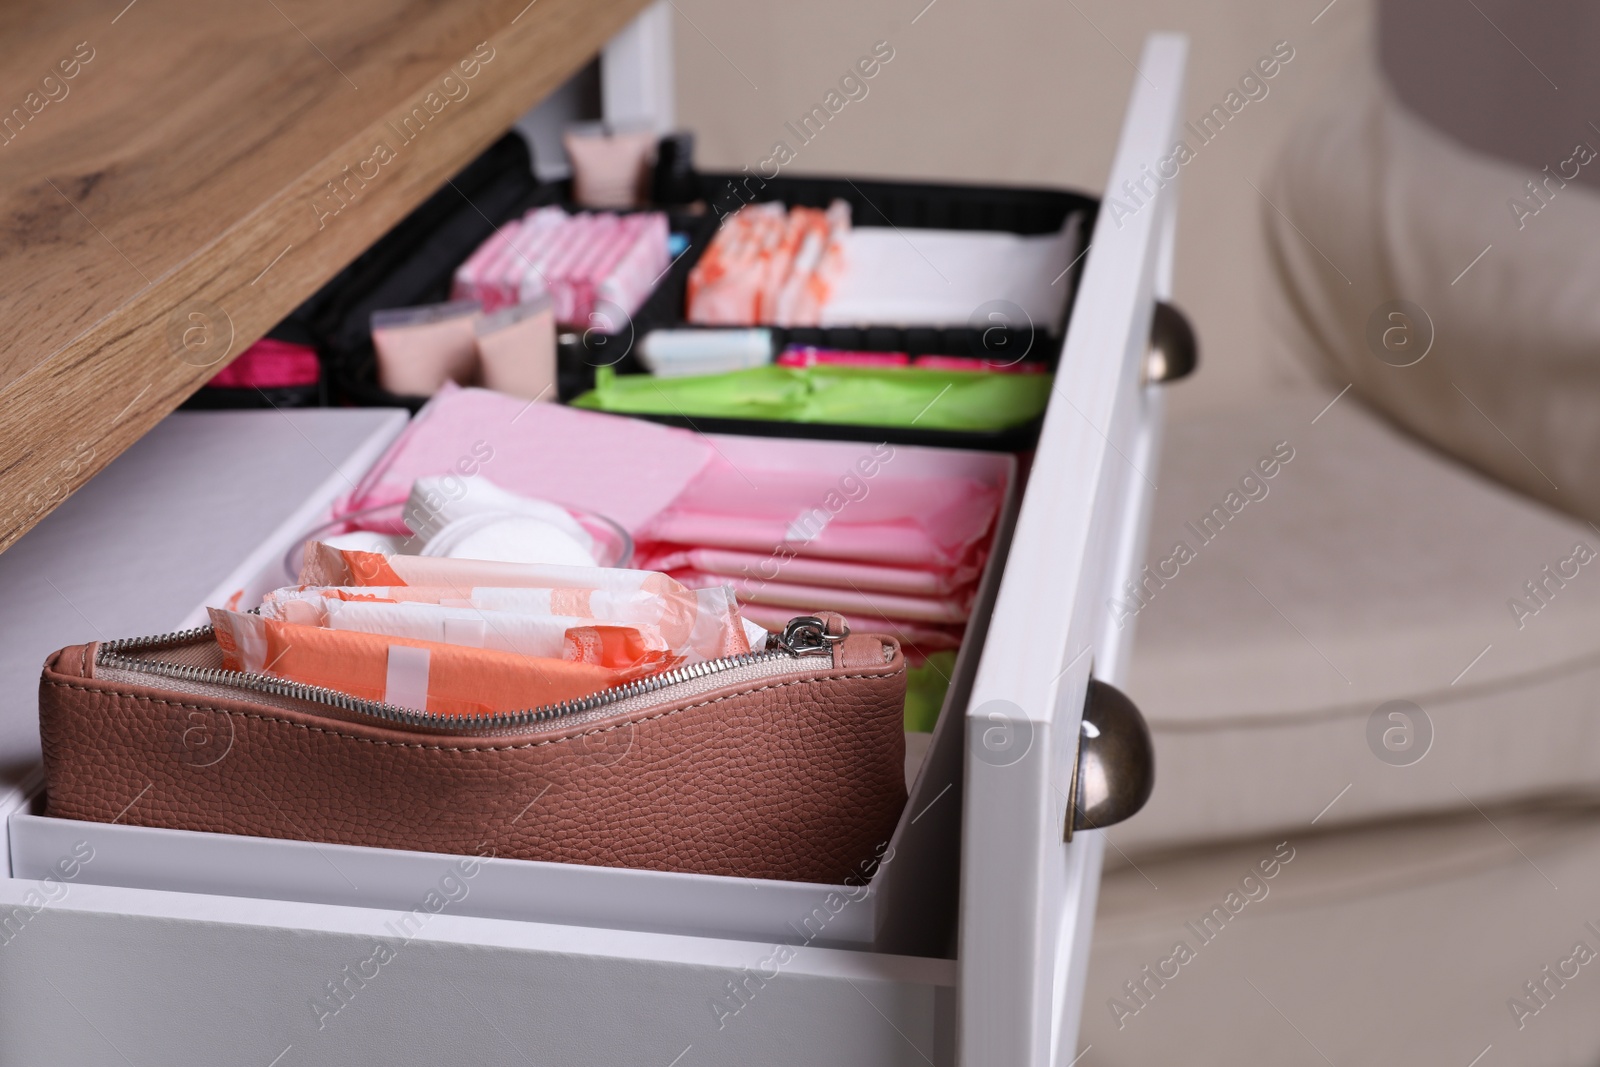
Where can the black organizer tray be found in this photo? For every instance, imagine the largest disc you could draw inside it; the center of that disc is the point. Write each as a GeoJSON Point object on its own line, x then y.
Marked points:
{"type": "Point", "coordinates": [906, 205]}
{"type": "Point", "coordinates": [414, 264]}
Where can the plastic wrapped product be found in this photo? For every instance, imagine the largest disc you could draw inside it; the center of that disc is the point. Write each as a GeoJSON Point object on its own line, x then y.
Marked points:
{"type": "Point", "coordinates": [468, 281]}
{"type": "Point", "coordinates": [683, 625]}
{"type": "Point", "coordinates": [610, 170]}
{"type": "Point", "coordinates": [517, 349]}
{"type": "Point", "coordinates": [420, 349]}
{"type": "Point", "coordinates": [685, 353]}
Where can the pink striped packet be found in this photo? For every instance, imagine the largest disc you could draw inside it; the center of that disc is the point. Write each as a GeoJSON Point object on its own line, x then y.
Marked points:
{"type": "Point", "coordinates": [469, 277]}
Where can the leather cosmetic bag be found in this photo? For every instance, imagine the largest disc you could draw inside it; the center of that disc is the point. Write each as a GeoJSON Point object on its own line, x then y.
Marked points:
{"type": "Point", "coordinates": [784, 763]}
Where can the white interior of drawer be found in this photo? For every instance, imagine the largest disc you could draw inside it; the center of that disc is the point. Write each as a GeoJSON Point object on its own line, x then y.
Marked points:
{"type": "Point", "coordinates": [909, 908]}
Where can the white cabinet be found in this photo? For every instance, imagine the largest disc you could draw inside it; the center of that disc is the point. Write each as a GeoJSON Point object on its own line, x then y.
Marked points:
{"type": "Point", "coordinates": [140, 972]}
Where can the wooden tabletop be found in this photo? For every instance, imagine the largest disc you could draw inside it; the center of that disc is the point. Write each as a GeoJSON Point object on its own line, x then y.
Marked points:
{"type": "Point", "coordinates": [177, 175]}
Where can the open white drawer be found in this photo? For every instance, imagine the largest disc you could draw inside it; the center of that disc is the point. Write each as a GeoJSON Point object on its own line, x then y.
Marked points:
{"type": "Point", "coordinates": [115, 973]}
{"type": "Point", "coordinates": [899, 910]}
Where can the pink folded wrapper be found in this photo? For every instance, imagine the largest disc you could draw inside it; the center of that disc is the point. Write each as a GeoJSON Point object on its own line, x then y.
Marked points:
{"type": "Point", "coordinates": [522, 264]}
{"type": "Point", "coordinates": [921, 522]}
{"type": "Point", "coordinates": [915, 509]}
{"type": "Point", "coordinates": [469, 278]}
{"type": "Point", "coordinates": [569, 278]}
{"type": "Point", "coordinates": [502, 273]}
{"type": "Point", "coordinates": [880, 543]}
{"type": "Point", "coordinates": [609, 251]}
{"type": "Point", "coordinates": [808, 356]}
{"type": "Point", "coordinates": [625, 469]}
{"type": "Point", "coordinates": [497, 273]}
{"type": "Point", "coordinates": [810, 599]}
{"type": "Point", "coordinates": [754, 568]}
{"type": "Point", "coordinates": [544, 227]}
{"type": "Point", "coordinates": [632, 278]}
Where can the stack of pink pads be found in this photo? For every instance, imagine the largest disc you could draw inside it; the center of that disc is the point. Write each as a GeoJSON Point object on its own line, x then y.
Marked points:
{"type": "Point", "coordinates": [893, 537]}
{"type": "Point", "coordinates": [797, 527]}
{"type": "Point", "coordinates": [769, 266]}
{"type": "Point", "coordinates": [589, 263]}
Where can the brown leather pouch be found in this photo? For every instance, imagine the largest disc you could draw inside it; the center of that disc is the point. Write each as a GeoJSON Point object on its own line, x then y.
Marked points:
{"type": "Point", "coordinates": [786, 763]}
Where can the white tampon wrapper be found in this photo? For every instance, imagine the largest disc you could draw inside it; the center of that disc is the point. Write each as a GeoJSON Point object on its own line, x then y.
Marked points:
{"type": "Point", "coordinates": [684, 353]}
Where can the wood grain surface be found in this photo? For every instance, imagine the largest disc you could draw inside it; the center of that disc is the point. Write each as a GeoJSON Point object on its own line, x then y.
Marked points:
{"type": "Point", "coordinates": [177, 175]}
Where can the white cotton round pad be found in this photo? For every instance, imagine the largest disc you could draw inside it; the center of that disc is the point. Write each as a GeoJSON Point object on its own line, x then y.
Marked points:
{"type": "Point", "coordinates": [509, 539]}
{"type": "Point", "coordinates": [439, 500]}
{"type": "Point", "coordinates": [450, 534]}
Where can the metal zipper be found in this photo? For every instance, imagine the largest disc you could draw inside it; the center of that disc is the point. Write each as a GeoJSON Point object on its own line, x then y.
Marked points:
{"type": "Point", "coordinates": [802, 636]}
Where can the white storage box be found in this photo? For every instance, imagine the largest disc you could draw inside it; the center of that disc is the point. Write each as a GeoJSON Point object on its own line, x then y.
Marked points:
{"type": "Point", "coordinates": [919, 861]}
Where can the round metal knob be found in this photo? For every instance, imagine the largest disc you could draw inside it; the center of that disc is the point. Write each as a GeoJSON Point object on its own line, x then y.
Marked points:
{"type": "Point", "coordinates": [1174, 352]}
{"type": "Point", "coordinates": [1115, 771]}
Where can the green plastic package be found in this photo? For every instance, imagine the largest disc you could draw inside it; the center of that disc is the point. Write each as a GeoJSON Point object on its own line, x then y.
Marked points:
{"type": "Point", "coordinates": [860, 396]}
{"type": "Point", "coordinates": [925, 689]}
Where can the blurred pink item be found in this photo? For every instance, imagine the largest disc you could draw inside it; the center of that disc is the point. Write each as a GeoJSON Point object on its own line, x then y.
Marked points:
{"type": "Point", "coordinates": [632, 276]}
{"type": "Point", "coordinates": [625, 469]}
{"type": "Point", "coordinates": [893, 535]}
{"type": "Point", "coordinates": [741, 569]}
{"type": "Point", "coordinates": [597, 269]}
{"type": "Point", "coordinates": [514, 272]}
{"type": "Point", "coordinates": [270, 364]}
{"type": "Point", "coordinates": [808, 356]}
{"type": "Point", "coordinates": [847, 602]}
{"type": "Point", "coordinates": [470, 278]}
{"type": "Point", "coordinates": [517, 350]}
{"type": "Point", "coordinates": [421, 348]}
{"type": "Point", "coordinates": [909, 521]}
{"type": "Point", "coordinates": [565, 265]}
{"type": "Point", "coordinates": [609, 170]}
{"type": "Point", "coordinates": [982, 366]}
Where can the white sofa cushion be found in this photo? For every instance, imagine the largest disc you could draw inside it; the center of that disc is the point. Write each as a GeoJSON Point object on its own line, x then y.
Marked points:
{"type": "Point", "coordinates": [1372, 570]}
{"type": "Point", "coordinates": [1370, 206]}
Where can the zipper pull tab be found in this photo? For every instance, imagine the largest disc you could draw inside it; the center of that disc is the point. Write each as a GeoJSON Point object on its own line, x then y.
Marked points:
{"type": "Point", "coordinates": [807, 635]}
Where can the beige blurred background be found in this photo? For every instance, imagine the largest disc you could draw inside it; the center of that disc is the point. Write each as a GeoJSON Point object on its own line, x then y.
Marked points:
{"type": "Point", "coordinates": [1032, 92]}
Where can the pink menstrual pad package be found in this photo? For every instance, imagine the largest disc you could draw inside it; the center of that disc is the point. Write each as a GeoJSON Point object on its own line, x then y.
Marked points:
{"type": "Point", "coordinates": [624, 469]}
{"type": "Point", "coordinates": [735, 566]}
{"type": "Point", "coordinates": [865, 518]}
{"type": "Point", "coordinates": [893, 505]}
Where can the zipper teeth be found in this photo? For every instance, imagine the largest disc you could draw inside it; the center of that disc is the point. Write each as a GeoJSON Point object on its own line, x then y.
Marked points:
{"type": "Point", "coordinates": [110, 655]}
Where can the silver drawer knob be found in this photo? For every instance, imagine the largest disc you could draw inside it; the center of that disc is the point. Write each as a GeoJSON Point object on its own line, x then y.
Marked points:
{"type": "Point", "coordinates": [1174, 353]}
{"type": "Point", "coordinates": [1115, 771]}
